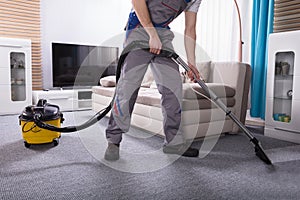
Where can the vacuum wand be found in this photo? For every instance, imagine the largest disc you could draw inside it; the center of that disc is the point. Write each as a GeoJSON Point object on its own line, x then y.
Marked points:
{"type": "Point", "coordinates": [257, 145]}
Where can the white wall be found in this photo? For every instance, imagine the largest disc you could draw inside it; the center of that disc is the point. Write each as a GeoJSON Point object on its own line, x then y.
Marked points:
{"type": "Point", "coordinates": [100, 22]}
{"type": "Point", "coordinates": [80, 22]}
{"type": "Point", "coordinates": [218, 31]}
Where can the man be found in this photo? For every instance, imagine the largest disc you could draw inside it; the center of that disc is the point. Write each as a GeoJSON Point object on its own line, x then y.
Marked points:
{"type": "Point", "coordinates": [149, 22]}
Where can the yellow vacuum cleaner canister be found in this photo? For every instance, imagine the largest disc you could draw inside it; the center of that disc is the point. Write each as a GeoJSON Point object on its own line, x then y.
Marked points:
{"type": "Point", "coordinates": [32, 134]}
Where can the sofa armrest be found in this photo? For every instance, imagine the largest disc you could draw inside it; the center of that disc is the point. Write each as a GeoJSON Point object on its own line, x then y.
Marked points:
{"type": "Point", "coordinates": [238, 76]}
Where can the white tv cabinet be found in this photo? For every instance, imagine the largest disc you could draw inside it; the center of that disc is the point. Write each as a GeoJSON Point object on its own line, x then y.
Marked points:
{"type": "Point", "coordinates": [67, 100]}
{"type": "Point", "coordinates": [283, 92]}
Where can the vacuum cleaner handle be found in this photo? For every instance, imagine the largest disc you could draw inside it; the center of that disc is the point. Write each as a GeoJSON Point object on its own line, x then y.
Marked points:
{"type": "Point", "coordinates": [41, 102]}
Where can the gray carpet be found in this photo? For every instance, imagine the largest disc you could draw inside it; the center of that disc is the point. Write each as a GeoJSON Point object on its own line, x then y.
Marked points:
{"type": "Point", "coordinates": [75, 168]}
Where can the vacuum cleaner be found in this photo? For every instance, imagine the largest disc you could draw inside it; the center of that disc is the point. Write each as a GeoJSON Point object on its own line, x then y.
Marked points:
{"type": "Point", "coordinates": [48, 117]}
{"type": "Point", "coordinates": [50, 114]}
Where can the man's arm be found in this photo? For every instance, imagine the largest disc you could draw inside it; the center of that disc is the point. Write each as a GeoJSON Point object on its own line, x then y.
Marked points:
{"type": "Point", "coordinates": [190, 42]}
{"type": "Point", "coordinates": [143, 15]}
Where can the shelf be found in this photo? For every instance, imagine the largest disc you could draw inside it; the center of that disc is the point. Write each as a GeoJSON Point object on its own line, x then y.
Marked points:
{"type": "Point", "coordinates": [18, 68]}
{"type": "Point", "coordinates": [84, 100]}
{"type": "Point", "coordinates": [283, 98]}
{"type": "Point", "coordinates": [15, 84]}
{"type": "Point", "coordinates": [283, 78]}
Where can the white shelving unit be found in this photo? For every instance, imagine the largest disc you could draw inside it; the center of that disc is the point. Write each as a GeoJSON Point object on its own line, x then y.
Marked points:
{"type": "Point", "coordinates": [283, 92]}
{"type": "Point", "coordinates": [67, 100]}
{"type": "Point", "coordinates": [15, 75]}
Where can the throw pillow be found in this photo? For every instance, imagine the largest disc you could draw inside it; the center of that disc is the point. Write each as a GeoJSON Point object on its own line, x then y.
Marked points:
{"type": "Point", "coordinates": [204, 69]}
{"type": "Point", "coordinates": [108, 81]}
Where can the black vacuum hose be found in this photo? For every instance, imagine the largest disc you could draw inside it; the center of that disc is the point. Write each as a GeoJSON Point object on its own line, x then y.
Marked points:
{"type": "Point", "coordinates": [137, 45]}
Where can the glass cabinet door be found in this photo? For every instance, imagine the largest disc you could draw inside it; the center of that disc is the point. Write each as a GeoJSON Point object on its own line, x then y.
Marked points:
{"type": "Point", "coordinates": [283, 86]}
{"type": "Point", "coordinates": [17, 76]}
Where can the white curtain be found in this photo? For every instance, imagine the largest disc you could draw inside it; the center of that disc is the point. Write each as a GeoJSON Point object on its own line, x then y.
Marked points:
{"type": "Point", "coordinates": [218, 29]}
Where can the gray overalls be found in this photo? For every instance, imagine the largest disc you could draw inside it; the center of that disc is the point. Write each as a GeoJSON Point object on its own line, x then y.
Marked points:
{"type": "Point", "coordinates": [164, 70]}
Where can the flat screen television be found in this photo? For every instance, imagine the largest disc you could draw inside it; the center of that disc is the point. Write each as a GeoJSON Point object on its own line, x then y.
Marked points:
{"type": "Point", "coordinates": [81, 66]}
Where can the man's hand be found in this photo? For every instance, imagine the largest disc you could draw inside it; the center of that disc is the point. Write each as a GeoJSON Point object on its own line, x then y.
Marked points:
{"type": "Point", "coordinates": [155, 44]}
{"type": "Point", "coordinates": [193, 73]}
{"type": "Point", "coordinates": [143, 15]}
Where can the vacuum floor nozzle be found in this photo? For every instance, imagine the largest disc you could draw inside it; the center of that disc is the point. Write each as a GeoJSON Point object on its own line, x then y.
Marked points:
{"type": "Point", "coordinates": [262, 155]}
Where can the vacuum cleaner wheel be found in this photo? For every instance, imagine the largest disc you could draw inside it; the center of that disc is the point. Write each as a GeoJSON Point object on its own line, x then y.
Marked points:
{"type": "Point", "coordinates": [55, 142]}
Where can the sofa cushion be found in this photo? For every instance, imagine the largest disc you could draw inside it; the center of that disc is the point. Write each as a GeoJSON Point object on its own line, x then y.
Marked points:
{"type": "Point", "coordinates": [196, 104]}
{"type": "Point", "coordinates": [108, 81]}
{"type": "Point", "coordinates": [104, 91]}
{"type": "Point", "coordinates": [219, 89]}
{"type": "Point", "coordinates": [151, 97]}
{"type": "Point", "coordinates": [204, 69]}
{"type": "Point", "coordinates": [146, 96]}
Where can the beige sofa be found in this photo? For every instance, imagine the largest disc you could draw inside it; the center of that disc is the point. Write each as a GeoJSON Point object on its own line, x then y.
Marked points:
{"type": "Point", "coordinates": [200, 117]}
